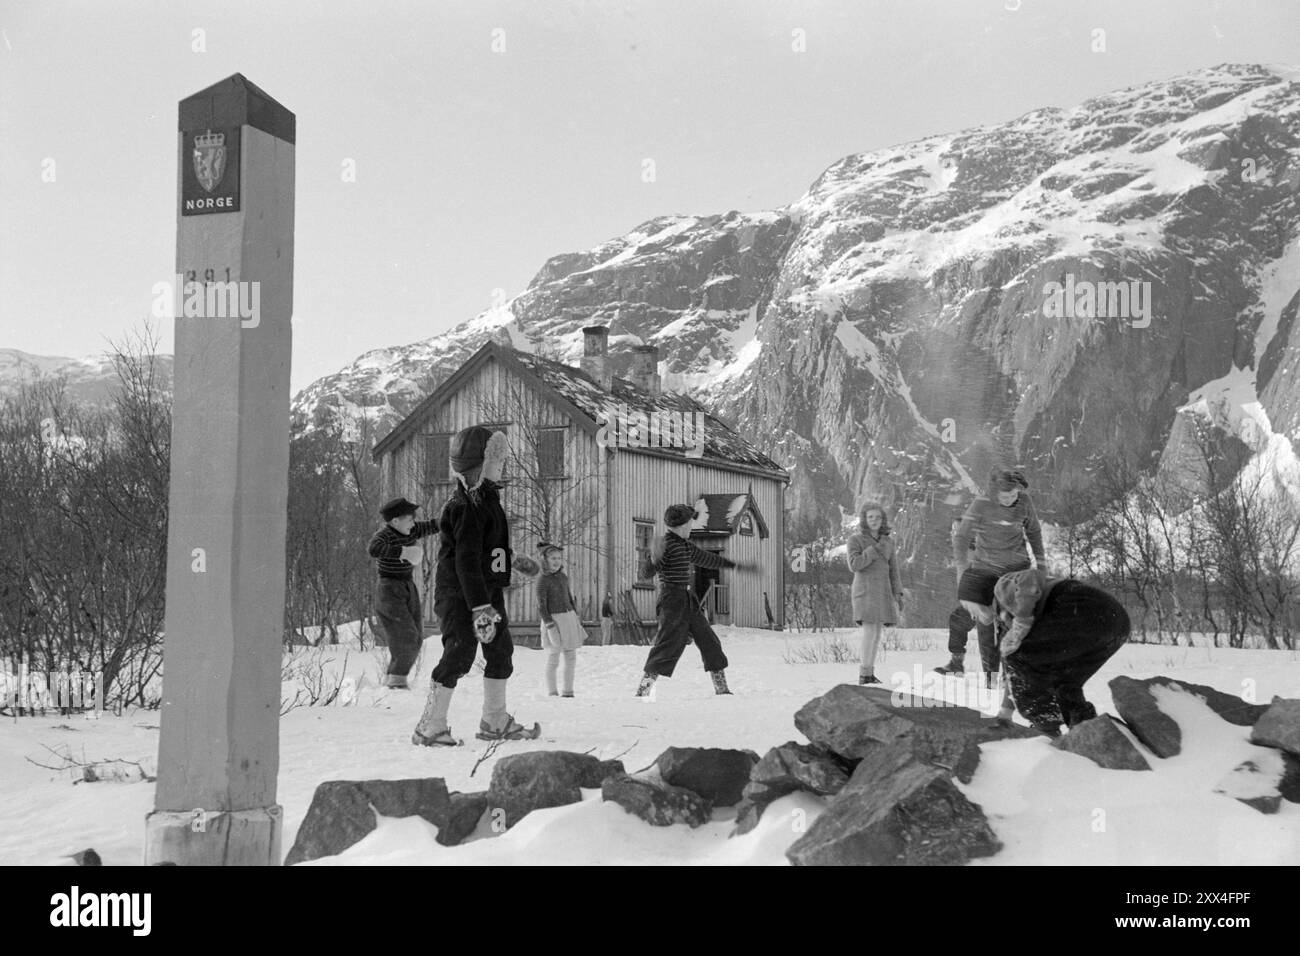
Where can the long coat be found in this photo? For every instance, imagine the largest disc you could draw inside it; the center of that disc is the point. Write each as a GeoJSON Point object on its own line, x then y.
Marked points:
{"type": "Point", "coordinates": [875, 578]}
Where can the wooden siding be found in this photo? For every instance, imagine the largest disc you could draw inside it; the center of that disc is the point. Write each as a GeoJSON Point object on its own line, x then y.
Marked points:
{"type": "Point", "coordinates": [600, 496]}
{"type": "Point", "coordinates": [575, 502]}
{"type": "Point", "coordinates": [644, 485]}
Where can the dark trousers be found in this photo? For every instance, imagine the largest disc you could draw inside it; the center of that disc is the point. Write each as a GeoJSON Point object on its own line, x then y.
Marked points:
{"type": "Point", "coordinates": [959, 624]}
{"type": "Point", "coordinates": [460, 644]}
{"type": "Point", "coordinates": [680, 620]}
{"type": "Point", "coordinates": [400, 618]}
{"type": "Point", "coordinates": [1079, 630]}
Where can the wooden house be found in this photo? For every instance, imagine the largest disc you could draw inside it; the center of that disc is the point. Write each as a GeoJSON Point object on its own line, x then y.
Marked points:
{"type": "Point", "coordinates": [594, 461]}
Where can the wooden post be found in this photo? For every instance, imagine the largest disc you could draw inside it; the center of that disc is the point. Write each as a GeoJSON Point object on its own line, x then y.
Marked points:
{"type": "Point", "coordinates": [218, 753]}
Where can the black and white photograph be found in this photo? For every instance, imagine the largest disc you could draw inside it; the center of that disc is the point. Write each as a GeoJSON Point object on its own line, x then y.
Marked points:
{"type": "Point", "coordinates": [652, 433]}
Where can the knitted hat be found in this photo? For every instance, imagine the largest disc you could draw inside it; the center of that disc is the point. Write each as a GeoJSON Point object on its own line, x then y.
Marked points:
{"type": "Point", "coordinates": [467, 448]}
{"type": "Point", "coordinates": [545, 547]}
{"type": "Point", "coordinates": [676, 515]}
{"type": "Point", "coordinates": [1019, 591]}
{"type": "Point", "coordinates": [396, 507]}
{"type": "Point", "coordinates": [1005, 479]}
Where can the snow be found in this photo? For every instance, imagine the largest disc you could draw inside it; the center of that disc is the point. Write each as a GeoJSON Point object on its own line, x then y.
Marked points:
{"type": "Point", "coordinates": [1042, 803]}
{"type": "Point", "coordinates": [1233, 399]}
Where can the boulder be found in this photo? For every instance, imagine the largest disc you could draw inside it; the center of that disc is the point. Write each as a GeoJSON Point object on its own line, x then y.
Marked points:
{"type": "Point", "coordinates": [1289, 785]}
{"type": "Point", "coordinates": [1279, 727]}
{"type": "Point", "coordinates": [853, 721]}
{"type": "Point", "coordinates": [538, 779]}
{"type": "Point", "coordinates": [1102, 742]}
{"type": "Point", "coordinates": [466, 811]}
{"type": "Point", "coordinates": [786, 769]}
{"type": "Point", "coordinates": [897, 810]}
{"type": "Point", "coordinates": [1156, 729]}
{"type": "Point", "coordinates": [714, 773]}
{"type": "Point", "coordinates": [660, 805]}
{"type": "Point", "coordinates": [343, 811]}
{"type": "Point", "coordinates": [1259, 782]}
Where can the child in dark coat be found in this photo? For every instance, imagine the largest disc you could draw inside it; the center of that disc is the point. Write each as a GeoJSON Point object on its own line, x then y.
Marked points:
{"type": "Point", "coordinates": [474, 565]}
{"type": "Point", "coordinates": [1061, 633]}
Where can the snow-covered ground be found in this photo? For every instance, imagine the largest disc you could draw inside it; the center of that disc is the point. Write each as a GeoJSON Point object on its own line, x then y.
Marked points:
{"type": "Point", "coordinates": [1046, 806]}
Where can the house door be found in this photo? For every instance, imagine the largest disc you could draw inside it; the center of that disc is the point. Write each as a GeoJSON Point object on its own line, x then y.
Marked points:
{"type": "Point", "coordinates": [710, 588]}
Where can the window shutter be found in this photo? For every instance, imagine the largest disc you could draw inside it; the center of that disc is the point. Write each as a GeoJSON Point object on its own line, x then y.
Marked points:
{"type": "Point", "coordinates": [550, 453]}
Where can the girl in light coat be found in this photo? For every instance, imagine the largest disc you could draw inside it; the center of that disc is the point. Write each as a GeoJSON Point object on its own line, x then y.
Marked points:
{"type": "Point", "coordinates": [877, 594]}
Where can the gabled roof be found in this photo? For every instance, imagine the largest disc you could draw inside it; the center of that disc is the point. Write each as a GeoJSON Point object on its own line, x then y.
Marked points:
{"type": "Point", "coordinates": [722, 513]}
{"type": "Point", "coordinates": [581, 397]}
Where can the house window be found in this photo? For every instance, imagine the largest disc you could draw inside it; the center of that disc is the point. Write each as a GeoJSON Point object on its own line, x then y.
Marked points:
{"type": "Point", "coordinates": [550, 452]}
{"type": "Point", "coordinates": [747, 523]}
{"type": "Point", "coordinates": [645, 535]}
{"type": "Point", "coordinates": [437, 464]}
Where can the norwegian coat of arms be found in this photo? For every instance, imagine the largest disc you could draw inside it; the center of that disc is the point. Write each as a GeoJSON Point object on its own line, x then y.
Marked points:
{"type": "Point", "coordinates": [209, 159]}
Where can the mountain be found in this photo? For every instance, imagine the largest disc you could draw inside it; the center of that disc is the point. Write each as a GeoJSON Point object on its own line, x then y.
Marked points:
{"type": "Point", "coordinates": [1065, 286]}
{"type": "Point", "coordinates": [91, 380]}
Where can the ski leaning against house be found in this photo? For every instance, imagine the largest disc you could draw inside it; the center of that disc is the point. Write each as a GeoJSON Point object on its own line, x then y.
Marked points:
{"type": "Point", "coordinates": [998, 524]}
{"type": "Point", "coordinates": [397, 601]}
{"type": "Point", "coordinates": [1061, 632]}
{"type": "Point", "coordinates": [680, 616]}
{"type": "Point", "coordinates": [877, 594]}
{"type": "Point", "coordinates": [474, 565]}
{"type": "Point", "coordinates": [562, 631]}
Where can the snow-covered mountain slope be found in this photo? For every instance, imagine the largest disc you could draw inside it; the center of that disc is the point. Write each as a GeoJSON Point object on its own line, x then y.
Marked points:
{"type": "Point", "coordinates": [91, 380]}
{"type": "Point", "coordinates": [902, 326]}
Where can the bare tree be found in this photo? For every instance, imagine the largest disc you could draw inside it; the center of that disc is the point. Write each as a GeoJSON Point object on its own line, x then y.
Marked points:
{"type": "Point", "coordinates": [546, 506]}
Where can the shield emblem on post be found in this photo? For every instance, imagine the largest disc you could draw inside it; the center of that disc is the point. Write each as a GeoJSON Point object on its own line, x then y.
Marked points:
{"type": "Point", "coordinates": [209, 159]}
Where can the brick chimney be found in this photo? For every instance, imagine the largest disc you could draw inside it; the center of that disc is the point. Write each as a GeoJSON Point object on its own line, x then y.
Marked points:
{"type": "Point", "coordinates": [595, 355]}
{"type": "Point", "coordinates": [645, 368]}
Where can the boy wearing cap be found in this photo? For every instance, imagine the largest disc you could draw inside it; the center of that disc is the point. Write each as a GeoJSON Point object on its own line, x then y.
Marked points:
{"type": "Point", "coordinates": [397, 602]}
{"type": "Point", "coordinates": [680, 616]}
{"type": "Point", "coordinates": [473, 571]}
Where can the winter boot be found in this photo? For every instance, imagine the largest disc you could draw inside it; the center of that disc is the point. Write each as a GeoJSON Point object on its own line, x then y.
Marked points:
{"type": "Point", "coordinates": [432, 730]}
{"type": "Point", "coordinates": [868, 678]}
{"type": "Point", "coordinates": [956, 667]}
{"type": "Point", "coordinates": [567, 693]}
{"type": "Point", "coordinates": [510, 730]}
{"type": "Point", "coordinates": [1005, 713]}
{"type": "Point", "coordinates": [720, 682]}
{"type": "Point", "coordinates": [647, 684]}
{"type": "Point", "coordinates": [396, 681]}
{"type": "Point", "coordinates": [497, 724]}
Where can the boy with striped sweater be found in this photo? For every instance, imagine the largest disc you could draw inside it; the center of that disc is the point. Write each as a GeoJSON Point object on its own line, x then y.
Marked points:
{"type": "Point", "coordinates": [397, 602]}
{"type": "Point", "coordinates": [680, 617]}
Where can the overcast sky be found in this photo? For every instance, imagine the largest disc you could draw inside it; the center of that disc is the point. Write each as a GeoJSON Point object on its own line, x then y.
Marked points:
{"type": "Point", "coordinates": [475, 165]}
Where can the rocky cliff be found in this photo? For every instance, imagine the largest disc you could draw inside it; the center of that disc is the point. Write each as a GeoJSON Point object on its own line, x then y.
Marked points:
{"type": "Point", "coordinates": [1067, 285]}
